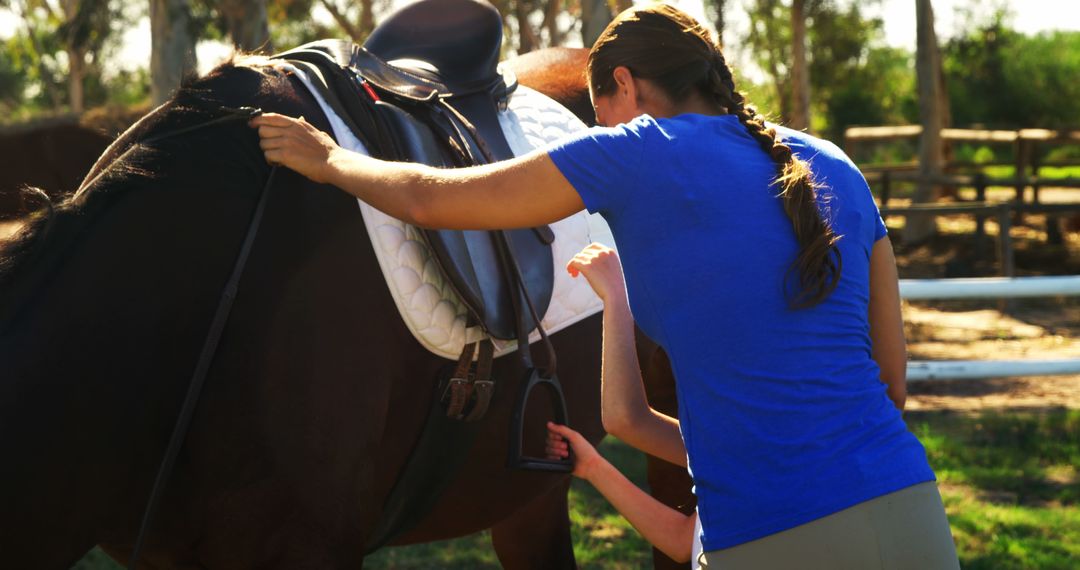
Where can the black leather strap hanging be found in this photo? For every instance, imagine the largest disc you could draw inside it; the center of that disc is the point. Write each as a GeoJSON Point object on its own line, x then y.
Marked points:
{"type": "Point", "coordinates": [206, 357]}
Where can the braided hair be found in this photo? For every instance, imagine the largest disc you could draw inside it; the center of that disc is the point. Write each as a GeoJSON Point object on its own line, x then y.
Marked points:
{"type": "Point", "coordinates": [672, 50]}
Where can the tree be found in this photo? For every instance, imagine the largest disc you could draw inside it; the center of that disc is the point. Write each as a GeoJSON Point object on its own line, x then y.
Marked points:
{"type": "Point", "coordinates": [12, 80]}
{"type": "Point", "coordinates": [800, 75]}
{"type": "Point", "coordinates": [717, 8]}
{"type": "Point", "coordinates": [172, 47]}
{"type": "Point", "coordinates": [931, 116]}
{"type": "Point", "coordinates": [839, 40]}
{"type": "Point", "coordinates": [78, 29]}
{"type": "Point", "coordinates": [769, 37]}
{"type": "Point", "coordinates": [357, 22]}
{"type": "Point", "coordinates": [595, 16]}
{"type": "Point", "coordinates": [247, 24]}
{"type": "Point", "coordinates": [1001, 78]}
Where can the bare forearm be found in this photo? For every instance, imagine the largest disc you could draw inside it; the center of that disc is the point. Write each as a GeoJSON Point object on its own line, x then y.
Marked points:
{"type": "Point", "coordinates": [522, 192]}
{"type": "Point", "coordinates": [664, 527]}
{"type": "Point", "coordinates": [625, 408]}
{"type": "Point", "coordinates": [396, 188]}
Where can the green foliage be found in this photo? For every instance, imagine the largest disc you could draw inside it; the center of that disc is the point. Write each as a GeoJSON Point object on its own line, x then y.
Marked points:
{"type": "Point", "coordinates": [47, 40]}
{"type": "Point", "coordinates": [877, 89]}
{"type": "Point", "coordinates": [12, 80]}
{"type": "Point", "coordinates": [291, 23]}
{"type": "Point", "coordinates": [126, 88]}
{"type": "Point", "coordinates": [1000, 78]}
{"type": "Point", "coordinates": [855, 79]}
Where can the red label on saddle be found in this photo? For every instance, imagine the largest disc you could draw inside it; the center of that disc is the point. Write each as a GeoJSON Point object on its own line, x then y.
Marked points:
{"type": "Point", "coordinates": [370, 91]}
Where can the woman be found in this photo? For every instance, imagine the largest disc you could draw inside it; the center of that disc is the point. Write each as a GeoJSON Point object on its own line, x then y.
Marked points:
{"type": "Point", "coordinates": [756, 257]}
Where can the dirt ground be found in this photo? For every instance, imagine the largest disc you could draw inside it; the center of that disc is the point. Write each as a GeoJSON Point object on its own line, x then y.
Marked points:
{"type": "Point", "coordinates": [1044, 328]}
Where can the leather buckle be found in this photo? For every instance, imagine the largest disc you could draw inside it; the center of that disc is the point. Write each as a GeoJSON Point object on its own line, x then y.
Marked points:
{"type": "Point", "coordinates": [450, 384]}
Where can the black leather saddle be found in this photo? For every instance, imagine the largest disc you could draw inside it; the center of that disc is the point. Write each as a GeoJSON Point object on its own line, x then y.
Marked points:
{"type": "Point", "coordinates": [426, 87]}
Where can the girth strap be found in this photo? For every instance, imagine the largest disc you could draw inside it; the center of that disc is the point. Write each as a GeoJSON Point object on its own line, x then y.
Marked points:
{"type": "Point", "coordinates": [465, 384]}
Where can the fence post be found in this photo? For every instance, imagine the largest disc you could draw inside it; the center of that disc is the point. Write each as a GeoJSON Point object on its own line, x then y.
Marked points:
{"type": "Point", "coordinates": [1008, 264]}
{"type": "Point", "coordinates": [980, 219]}
{"type": "Point", "coordinates": [1034, 157]}
{"type": "Point", "coordinates": [886, 186]}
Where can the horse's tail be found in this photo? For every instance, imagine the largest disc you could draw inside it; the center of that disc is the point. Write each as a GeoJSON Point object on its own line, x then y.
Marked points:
{"type": "Point", "coordinates": [24, 221]}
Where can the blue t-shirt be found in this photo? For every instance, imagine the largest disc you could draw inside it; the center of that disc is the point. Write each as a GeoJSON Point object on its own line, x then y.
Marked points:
{"type": "Point", "coordinates": [783, 413]}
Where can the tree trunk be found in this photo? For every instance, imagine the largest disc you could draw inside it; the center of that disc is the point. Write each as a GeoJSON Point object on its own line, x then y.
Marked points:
{"type": "Point", "coordinates": [719, 22]}
{"type": "Point", "coordinates": [76, 57]}
{"type": "Point", "coordinates": [551, 22]}
{"type": "Point", "coordinates": [249, 25]}
{"type": "Point", "coordinates": [800, 72]}
{"type": "Point", "coordinates": [367, 17]}
{"type": "Point", "coordinates": [76, 78]}
{"type": "Point", "coordinates": [172, 47]}
{"type": "Point", "coordinates": [342, 20]}
{"type": "Point", "coordinates": [595, 16]}
{"type": "Point", "coordinates": [931, 153]}
{"type": "Point", "coordinates": [527, 39]}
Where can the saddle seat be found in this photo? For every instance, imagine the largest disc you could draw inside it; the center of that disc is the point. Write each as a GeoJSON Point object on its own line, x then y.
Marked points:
{"type": "Point", "coordinates": [459, 40]}
{"type": "Point", "coordinates": [432, 68]}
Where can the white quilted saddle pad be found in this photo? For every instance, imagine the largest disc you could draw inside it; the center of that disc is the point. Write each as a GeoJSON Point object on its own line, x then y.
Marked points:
{"type": "Point", "coordinates": [424, 298]}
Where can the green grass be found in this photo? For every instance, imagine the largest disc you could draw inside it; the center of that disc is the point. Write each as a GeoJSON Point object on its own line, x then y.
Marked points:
{"type": "Point", "coordinates": [1010, 483]}
{"type": "Point", "coordinates": [602, 538]}
{"type": "Point", "coordinates": [1047, 172]}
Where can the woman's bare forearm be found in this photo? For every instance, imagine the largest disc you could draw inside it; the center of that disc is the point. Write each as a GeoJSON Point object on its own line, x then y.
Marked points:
{"type": "Point", "coordinates": [522, 192]}
{"type": "Point", "coordinates": [399, 189]}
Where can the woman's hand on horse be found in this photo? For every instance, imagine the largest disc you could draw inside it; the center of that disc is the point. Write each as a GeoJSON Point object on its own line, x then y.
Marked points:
{"type": "Point", "coordinates": [600, 265]}
{"type": "Point", "coordinates": [296, 144]}
{"type": "Point", "coordinates": [561, 440]}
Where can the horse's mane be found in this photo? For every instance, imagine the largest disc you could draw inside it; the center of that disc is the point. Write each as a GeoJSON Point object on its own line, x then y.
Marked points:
{"type": "Point", "coordinates": [50, 225]}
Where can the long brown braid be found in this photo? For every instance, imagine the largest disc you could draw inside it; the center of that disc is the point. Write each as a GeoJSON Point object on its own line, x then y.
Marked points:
{"type": "Point", "coordinates": [661, 44]}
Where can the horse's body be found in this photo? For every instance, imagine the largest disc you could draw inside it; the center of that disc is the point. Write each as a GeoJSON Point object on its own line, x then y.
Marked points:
{"type": "Point", "coordinates": [53, 157]}
{"type": "Point", "coordinates": [314, 398]}
{"type": "Point", "coordinates": [559, 73]}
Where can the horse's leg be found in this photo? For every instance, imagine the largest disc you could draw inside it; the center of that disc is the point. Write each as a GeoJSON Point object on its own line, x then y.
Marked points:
{"type": "Point", "coordinates": [670, 484]}
{"type": "Point", "coordinates": [538, 534]}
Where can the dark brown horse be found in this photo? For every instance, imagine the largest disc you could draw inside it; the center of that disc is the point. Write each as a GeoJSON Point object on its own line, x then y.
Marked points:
{"type": "Point", "coordinates": [314, 398]}
{"type": "Point", "coordinates": [53, 156]}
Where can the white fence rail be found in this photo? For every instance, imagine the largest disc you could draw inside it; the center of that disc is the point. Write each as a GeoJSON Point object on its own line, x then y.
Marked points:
{"type": "Point", "coordinates": [981, 288]}
{"type": "Point", "coordinates": [989, 287]}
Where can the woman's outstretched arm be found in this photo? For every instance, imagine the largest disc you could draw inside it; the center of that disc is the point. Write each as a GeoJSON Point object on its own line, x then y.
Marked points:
{"type": "Point", "coordinates": [523, 192]}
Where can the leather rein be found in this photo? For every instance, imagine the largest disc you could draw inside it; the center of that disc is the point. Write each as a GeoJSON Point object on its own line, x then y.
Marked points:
{"type": "Point", "coordinates": [213, 336]}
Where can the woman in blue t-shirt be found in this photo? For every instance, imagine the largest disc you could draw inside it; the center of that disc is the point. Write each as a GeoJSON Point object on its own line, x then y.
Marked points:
{"type": "Point", "coordinates": [755, 256]}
